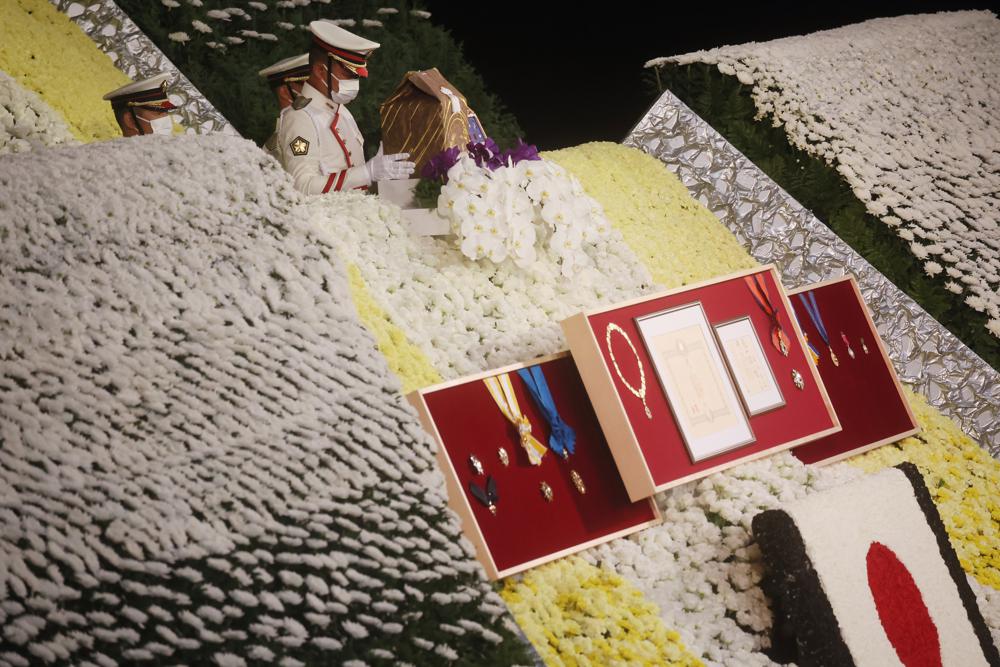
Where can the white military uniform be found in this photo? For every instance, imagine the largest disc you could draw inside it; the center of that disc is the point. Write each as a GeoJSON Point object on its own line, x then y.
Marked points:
{"type": "Point", "coordinates": [321, 146]}
{"type": "Point", "coordinates": [271, 145]}
{"type": "Point", "coordinates": [283, 73]}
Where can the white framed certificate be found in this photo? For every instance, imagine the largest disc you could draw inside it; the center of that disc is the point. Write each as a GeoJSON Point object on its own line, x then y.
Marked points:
{"type": "Point", "coordinates": [695, 380]}
{"type": "Point", "coordinates": [748, 364]}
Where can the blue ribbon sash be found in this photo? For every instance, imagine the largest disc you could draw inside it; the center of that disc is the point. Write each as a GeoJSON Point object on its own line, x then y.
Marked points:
{"type": "Point", "coordinates": [562, 440]}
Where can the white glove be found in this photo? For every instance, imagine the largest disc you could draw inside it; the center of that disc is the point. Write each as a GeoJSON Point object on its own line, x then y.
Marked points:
{"type": "Point", "coordinates": [389, 167]}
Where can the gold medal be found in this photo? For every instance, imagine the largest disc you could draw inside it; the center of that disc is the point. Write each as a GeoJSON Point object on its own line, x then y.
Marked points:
{"type": "Point", "coordinates": [578, 482]}
{"type": "Point", "coordinates": [850, 352]}
{"type": "Point", "coordinates": [546, 491]}
{"type": "Point", "coordinates": [780, 340]}
{"type": "Point", "coordinates": [476, 464]}
{"type": "Point", "coordinates": [798, 380]}
{"type": "Point", "coordinates": [758, 288]}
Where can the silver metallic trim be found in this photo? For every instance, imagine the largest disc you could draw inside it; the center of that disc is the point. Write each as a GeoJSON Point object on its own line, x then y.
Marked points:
{"type": "Point", "coordinates": [777, 229]}
{"type": "Point", "coordinates": [136, 55]}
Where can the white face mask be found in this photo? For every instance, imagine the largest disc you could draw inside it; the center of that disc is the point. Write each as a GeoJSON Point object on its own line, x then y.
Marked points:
{"type": "Point", "coordinates": [162, 125]}
{"type": "Point", "coordinates": [348, 91]}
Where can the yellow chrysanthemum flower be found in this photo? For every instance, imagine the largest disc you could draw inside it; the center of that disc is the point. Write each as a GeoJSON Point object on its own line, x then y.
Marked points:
{"type": "Point", "coordinates": [578, 614]}
{"type": "Point", "coordinates": [405, 359]}
{"type": "Point", "coordinates": [47, 53]}
{"type": "Point", "coordinates": [679, 240]}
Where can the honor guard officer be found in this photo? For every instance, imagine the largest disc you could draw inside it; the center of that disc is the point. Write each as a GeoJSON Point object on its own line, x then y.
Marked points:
{"type": "Point", "coordinates": [142, 107]}
{"type": "Point", "coordinates": [285, 78]}
{"type": "Point", "coordinates": [320, 144]}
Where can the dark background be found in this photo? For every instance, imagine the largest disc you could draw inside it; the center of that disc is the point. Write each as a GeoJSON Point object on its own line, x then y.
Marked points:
{"type": "Point", "coordinates": [572, 75]}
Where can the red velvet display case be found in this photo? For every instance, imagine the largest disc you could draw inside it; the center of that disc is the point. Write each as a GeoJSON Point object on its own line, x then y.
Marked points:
{"type": "Point", "coordinates": [528, 530]}
{"type": "Point", "coordinates": [653, 453]}
{"type": "Point", "coordinates": [864, 390]}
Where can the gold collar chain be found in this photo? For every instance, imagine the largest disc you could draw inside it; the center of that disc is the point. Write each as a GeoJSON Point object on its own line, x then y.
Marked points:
{"type": "Point", "coordinates": [640, 393]}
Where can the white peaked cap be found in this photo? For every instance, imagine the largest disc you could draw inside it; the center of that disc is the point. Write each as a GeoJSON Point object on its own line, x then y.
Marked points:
{"type": "Point", "coordinates": [286, 65]}
{"type": "Point", "coordinates": [137, 88]}
{"type": "Point", "coordinates": [339, 38]}
{"type": "Point", "coordinates": [349, 49]}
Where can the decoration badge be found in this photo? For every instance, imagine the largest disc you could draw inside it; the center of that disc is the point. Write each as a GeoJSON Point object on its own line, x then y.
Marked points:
{"type": "Point", "coordinates": [299, 146]}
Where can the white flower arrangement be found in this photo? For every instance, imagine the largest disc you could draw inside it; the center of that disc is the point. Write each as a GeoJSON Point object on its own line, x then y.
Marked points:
{"type": "Point", "coordinates": [420, 13]}
{"type": "Point", "coordinates": [505, 213]}
{"type": "Point", "coordinates": [387, 11]}
{"type": "Point", "coordinates": [276, 284]}
{"type": "Point", "coordinates": [371, 23]}
{"type": "Point", "coordinates": [200, 26]}
{"type": "Point", "coordinates": [850, 96]}
{"type": "Point", "coordinates": [463, 316]}
{"type": "Point", "coordinates": [700, 565]}
{"type": "Point", "coordinates": [26, 121]}
{"type": "Point", "coordinates": [180, 37]}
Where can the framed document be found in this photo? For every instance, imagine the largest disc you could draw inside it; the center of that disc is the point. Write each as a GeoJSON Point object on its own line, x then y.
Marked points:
{"type": "Point", "coordinates": [658, 440]}
{"type": "Point", "coordinates": [748, 363]}
{"type": "Point", "coordinates": [694, 378]}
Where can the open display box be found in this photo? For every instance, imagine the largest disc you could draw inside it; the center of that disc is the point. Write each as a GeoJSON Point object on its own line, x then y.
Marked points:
{"type": "Point", "coordinates": [527, 529]}
{"type": "Point", "coordinates": [862, 385]}
{"type": "Point", "coordinates": [695, 380]}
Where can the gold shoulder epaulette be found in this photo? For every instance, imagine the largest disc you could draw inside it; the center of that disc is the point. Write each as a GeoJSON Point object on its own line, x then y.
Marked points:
{"type": "Point", "coordinates": [300, 102]}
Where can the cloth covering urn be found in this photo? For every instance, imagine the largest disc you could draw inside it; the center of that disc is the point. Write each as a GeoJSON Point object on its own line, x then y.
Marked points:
{"type": "Point", "coordinates": [425, 115]}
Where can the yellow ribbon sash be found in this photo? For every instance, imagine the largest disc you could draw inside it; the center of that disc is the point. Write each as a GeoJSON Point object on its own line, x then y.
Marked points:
{"type": "Point", "coordinates": [502, 391]}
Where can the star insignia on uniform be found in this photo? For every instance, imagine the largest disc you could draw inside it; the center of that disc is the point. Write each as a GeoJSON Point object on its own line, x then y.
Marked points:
{"type": "Point", "coordinates": [299, 146]}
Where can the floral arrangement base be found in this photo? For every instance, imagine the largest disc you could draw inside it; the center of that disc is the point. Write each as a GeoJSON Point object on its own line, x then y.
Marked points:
{"type": "Point", "coordinates": [205, 459]}
{"type": "Point", "coordinates": [864, 574]}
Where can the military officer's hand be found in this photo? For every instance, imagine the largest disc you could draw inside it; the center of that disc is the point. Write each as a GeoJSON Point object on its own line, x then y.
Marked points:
{"type": "Point", "coordinates": [389, 167]}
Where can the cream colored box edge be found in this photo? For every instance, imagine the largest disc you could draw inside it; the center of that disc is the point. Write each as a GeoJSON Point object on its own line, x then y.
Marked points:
{"type": "Point", "coordinates": [458, 500]}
